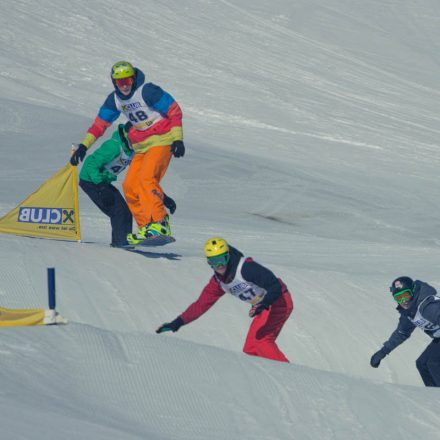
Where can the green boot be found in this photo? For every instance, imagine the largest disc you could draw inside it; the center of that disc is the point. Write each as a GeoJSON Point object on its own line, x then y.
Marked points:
{"type": "Point", "coordinates": [141, 235]}
{"type": "Point", "coordinates": [159, 228]}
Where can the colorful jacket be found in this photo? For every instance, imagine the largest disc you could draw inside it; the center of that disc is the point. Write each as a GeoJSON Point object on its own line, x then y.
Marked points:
{"type": "Point", "coordinates": [155, 115]}
{"type": "Point", "coordinates": [250, 271]}
{"type": "Point", "coordinates": [105, 163]}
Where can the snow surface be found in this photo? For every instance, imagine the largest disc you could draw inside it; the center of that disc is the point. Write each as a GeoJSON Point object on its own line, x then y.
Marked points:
{"type": "Point", "coordinates": [312, 131]}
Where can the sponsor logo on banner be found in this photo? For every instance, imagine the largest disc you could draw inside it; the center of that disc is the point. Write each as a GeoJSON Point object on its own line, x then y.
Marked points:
{"type": "Point", "coordinates": [52, 216]}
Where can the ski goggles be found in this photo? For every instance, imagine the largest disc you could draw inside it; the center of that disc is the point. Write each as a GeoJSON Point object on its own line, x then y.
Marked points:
{"type": "Point", "coordinates": [219, 260]}
{"type": "Point", "coordinates": [121, 82]}
{"type": "Point", "coordinates": [402, 296]}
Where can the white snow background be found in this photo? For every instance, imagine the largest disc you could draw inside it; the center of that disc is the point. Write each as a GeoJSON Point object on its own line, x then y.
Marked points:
{"type": "Point", "coordinates": [312, 136]}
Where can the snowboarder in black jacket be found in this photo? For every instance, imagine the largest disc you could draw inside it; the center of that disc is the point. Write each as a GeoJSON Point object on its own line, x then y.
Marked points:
{"type": "Point", "coordinates": [419, 306]}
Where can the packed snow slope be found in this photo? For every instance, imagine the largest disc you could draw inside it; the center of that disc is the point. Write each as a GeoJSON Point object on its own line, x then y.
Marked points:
{"type": "Point", "coordinates": [312, 131]}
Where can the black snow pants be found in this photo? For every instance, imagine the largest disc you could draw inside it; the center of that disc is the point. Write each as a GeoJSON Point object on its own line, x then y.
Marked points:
{"type": "Point", "coordinates": [428, 364]}
{"type": "Point", "coordinates": [110, 201]}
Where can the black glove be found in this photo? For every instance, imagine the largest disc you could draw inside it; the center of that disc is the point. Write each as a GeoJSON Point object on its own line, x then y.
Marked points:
{"type": "Point", "coordinates": [169, 203]}
{"type": "Point", "coordinates": [377, 357]}
{"type": "Point", "coordinates": [257, 309]}
{"type": "Point", "coordinates": [178, 149]}
{"type": "Point", "coordinates": [172, 326]}
{"type": "Point", "coordinates": [78, 155]}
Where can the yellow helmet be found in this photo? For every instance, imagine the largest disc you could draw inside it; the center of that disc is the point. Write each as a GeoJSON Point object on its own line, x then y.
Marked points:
{"type": "Point", "coordinates": [122, 69]}
{"type": "Point", "coordinates": [217, 251]}
{"type": "Point", "coordinates": [216, 246]}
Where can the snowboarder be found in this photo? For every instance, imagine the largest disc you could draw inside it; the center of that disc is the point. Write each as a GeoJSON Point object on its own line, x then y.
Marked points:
{"type": "Point", "coordinates": [99, 170]}
{"type": "Point", "coordinates": [271, 302]}
{"type": "Point", "coordinates": [418, 306]}
{"type": "Point", "coordinates": [155, 136]}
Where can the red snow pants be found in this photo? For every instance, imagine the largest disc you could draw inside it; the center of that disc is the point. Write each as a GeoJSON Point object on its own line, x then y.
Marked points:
{"type": "Point", "coordinates": [141, 185]}
{"type": "Point", "coordinates": [265, 328]}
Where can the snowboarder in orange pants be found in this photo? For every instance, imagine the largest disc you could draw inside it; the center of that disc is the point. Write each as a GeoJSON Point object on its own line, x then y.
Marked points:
{"type": "Point", "coordinates": [142, 191]}
{"type": "Point", "coordinates": [156, 134]}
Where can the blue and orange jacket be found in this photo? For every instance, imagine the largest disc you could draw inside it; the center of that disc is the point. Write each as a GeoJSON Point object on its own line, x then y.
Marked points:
{"type": "Point", "coordinates": [155, 115]}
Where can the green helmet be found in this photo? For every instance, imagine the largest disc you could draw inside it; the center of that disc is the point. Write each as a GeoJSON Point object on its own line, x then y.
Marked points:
{"type": "Point", "coordinates": [122, 69]}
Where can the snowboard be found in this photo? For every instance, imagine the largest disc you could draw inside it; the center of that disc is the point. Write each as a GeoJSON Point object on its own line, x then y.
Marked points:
{"type": "Point", "coordinates": [156, 240]}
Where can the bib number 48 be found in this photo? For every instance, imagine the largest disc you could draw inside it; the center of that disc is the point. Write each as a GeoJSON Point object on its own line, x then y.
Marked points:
{"type": "Point", "coordinates": [138, 116]}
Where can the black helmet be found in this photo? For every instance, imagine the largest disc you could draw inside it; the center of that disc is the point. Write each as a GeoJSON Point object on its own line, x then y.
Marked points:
{"type": "Point", "coordinates": [400, 284]}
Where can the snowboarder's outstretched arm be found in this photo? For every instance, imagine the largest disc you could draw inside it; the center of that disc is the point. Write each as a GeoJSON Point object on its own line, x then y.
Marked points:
{"type": "Point", "coordinates": [209, 296]}
{"type": "Point", "coordinates": [401, 334]}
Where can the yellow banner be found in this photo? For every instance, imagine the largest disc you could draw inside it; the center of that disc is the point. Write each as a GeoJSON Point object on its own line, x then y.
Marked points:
{"type": "Point", "coordinates": [17, 317]}
{"type": "Point", "coordinates": [50, 212]}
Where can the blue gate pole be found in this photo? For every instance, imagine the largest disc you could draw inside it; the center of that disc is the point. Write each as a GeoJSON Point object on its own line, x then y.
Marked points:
{"type": "Point", "coordinates": [51, 287]}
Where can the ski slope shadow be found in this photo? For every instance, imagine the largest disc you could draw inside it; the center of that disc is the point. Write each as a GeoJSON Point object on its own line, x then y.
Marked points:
{"type": "Point", "coordinates": [150, 254]}
{"type": "Point", "coordinates": [139, 251]}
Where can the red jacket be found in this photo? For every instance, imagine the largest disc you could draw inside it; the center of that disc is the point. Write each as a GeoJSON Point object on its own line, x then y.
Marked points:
{"type": "Point", "coordinates": [251, 271]}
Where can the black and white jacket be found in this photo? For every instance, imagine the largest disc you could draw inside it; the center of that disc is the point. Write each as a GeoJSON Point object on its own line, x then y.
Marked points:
{"type": "Point", "coordinates": [423, 312]}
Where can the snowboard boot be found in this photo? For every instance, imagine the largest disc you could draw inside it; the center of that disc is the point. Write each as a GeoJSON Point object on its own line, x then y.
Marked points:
{"type": "Point", "coordinates": [139, 237]}
{"type": "Point", "coordinates": [151, 230]}
{"type": "Point", "coordinates": [159, 228]}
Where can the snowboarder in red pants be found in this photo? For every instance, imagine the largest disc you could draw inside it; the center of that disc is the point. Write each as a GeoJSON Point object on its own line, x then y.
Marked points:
{"type": "Point", "coordinates": [248, 281]}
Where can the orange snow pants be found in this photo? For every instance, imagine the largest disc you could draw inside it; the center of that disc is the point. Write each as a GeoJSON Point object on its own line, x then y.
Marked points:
{"type": "Point", "coordinates": [265, 328]}
{"type": "Point", "coordinates": [142, 191]}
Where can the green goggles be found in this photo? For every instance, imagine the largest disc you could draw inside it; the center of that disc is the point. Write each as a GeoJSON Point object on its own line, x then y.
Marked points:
{"type": "Point", "coordinates": [219, 260]}
{"type": "Point", "coordinates": [402, 296]}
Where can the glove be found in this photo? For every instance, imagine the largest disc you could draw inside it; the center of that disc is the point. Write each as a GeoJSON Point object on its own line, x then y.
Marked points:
{"type": "Point", "coordinates": [257, 309]}
{"type": "Point", "coordinates": [169, 203]}
{"type": "Point", "coordinates": [78, 155]}
{"type": "Point", "coordinates": [178, 149]}
{"type": "Point", "coordinates": [377, 357]}
{"type": "Point", "coordinates": [172, 326]}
